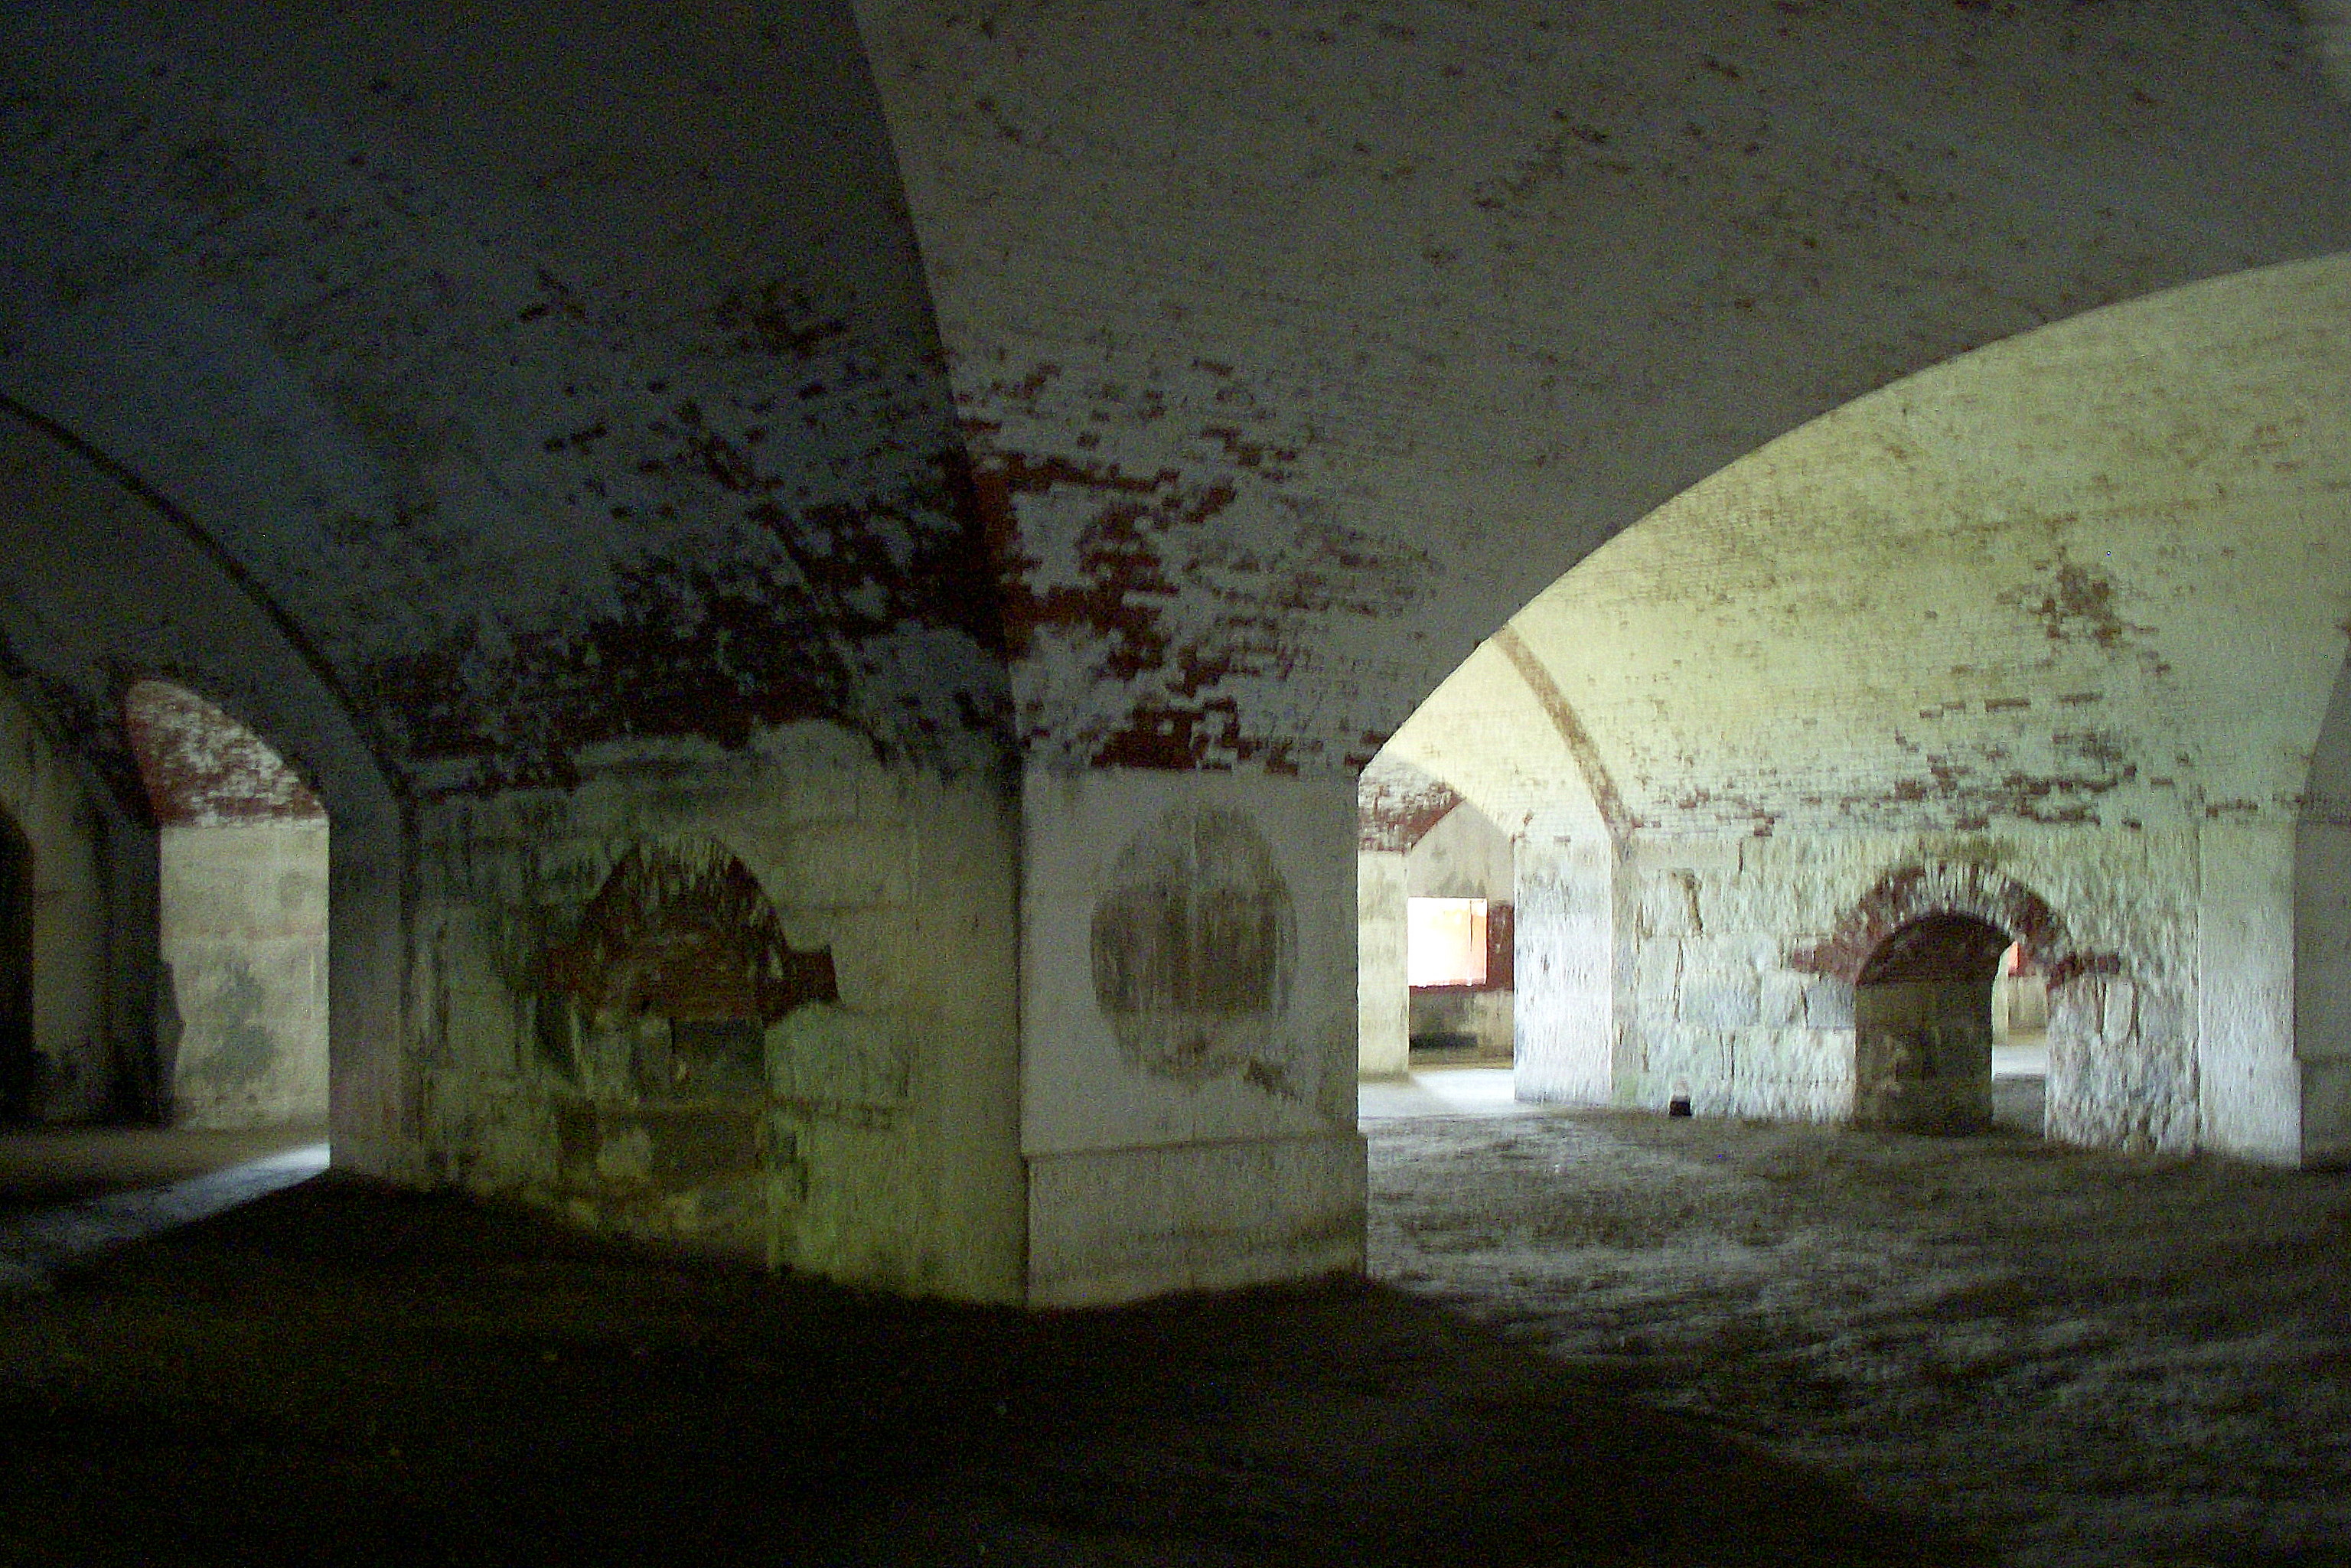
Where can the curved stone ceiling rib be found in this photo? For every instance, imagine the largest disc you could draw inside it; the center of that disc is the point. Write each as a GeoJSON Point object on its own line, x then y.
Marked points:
{"type": "Point", "coordinates": [2099, 573]}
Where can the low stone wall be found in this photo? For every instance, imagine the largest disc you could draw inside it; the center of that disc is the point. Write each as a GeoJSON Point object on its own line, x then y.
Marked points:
{"type": "Point", "coordinates": [1450, 1017]}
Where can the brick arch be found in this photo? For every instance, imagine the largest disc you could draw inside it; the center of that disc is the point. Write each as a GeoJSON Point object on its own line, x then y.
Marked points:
{"type": "Point", "coordinates": [1914, 892]}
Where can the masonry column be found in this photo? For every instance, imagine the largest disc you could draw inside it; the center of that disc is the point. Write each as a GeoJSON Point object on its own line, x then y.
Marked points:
{"type": "Point", "coordinates": [2322, 938]}
{"type": "Point", "coordinates": [1187, 1032]}
{"type": "Point", "coordinates": [2248, 1080]}
{"type": "Point", "coordinates": [1566, 939]}
{"type": "Point", "coordinates": [1382, 977]}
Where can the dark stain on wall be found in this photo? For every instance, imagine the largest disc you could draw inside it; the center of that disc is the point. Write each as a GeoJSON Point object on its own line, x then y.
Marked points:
{"type": "Point", "coordinates": [688, 934]}
{"type": "Point", "coordinates": [680, 960]}
{"type": "Point", "coordinates": [2080, 607]}
{"type": "Point", "coordinates": [1195, 943]}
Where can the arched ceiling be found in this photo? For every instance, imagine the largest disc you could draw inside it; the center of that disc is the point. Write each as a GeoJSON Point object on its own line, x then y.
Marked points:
{"type": "Point", "coordinates": [1302, 343]}
{"type": "Point", "coordinates": [580, 380]}
{"type": "Point", "coordinates": [2099, 573]}
{"type": "Point", "coordinates": [564, 374]}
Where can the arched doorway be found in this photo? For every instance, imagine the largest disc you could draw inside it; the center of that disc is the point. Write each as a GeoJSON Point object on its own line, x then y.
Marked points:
{"type": "Point", "coordinates": [1922, 1019]}
{"type": "Point", "coordinates": [20, 1074]}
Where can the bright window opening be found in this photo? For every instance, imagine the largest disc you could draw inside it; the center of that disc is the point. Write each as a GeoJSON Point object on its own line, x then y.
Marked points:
{"type": "Point", "coordinates": [1445, 941]}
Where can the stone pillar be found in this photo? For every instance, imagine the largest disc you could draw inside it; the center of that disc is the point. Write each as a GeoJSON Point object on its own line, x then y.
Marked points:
{"type": "Point", "coordinates": [245, 934]}
{"type": "Point", "coordinates": [2322, 989]}
{"type": "Point", "coordinates": [2322, 938]}
{"type": "Point", "coordinates": [371, 1089]}
{"type": "Point", "coordinates": [1382, 983]}
{"type": "Point", "coordinates": [1187, 1012]}
{"type": "Point", "coordinates": [1566, 939]}
{"type": "Point", "coordinates": [766, 1006]}
{"type": "Point", "coordinates": [2249, 1084]}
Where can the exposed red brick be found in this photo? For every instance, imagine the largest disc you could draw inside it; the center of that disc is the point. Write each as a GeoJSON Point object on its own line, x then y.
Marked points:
{"type": "Point", "coordinates": [686, 934]}
{"type": "Point", "coordinates": [201, 768]}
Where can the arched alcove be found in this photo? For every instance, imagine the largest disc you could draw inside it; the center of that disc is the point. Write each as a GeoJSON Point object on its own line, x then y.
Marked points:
{"type": "Point", "coordinates": [1922, 1018]}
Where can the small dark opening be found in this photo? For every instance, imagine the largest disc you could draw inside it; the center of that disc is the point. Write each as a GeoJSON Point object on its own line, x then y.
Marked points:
{"type": "Point", "coordinates": [1923, 1027]}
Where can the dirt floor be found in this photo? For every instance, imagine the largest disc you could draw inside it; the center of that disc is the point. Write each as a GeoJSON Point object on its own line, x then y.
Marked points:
{"type": "Point", "coordinates": [1593, 1339]}
{"type": "Point", "coordinates": [2075, 1357]}
{"type": "Point", "coordinates": [340, 1374]}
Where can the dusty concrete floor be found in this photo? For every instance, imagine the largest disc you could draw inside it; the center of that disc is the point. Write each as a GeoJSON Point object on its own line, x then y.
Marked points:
{"type": "Point", "coordinates": [2079, 1358]}
{"type": "Point", "coordinates": [340, 1374]}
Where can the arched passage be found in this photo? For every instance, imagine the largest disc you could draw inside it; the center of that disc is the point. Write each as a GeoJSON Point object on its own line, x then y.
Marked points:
{"type": "Point", "coordinates": [2052, 608]}
{"type": "Point", "coordinates": [1922, 1027]}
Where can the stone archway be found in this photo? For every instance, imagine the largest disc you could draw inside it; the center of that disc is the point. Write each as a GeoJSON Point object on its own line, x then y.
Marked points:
{"type": "Point", "coordinates": [1923, 1027]}
{"type": "Point", "coordinates": [1914, 892]}
{"type": "Point", "coordinates": [1920, 922]}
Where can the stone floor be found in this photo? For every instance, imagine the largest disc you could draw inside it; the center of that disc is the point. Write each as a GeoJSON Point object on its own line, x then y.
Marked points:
{"type": "Point", "coordinates": [111, 1167]}
{"type": "Point", "coordinates": [2078, 1358]}
{"type": "Point", "coordinates": [1590, 1338]}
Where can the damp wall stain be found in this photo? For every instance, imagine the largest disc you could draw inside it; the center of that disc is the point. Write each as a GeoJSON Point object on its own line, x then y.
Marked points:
{"type": "Point", "coordinates": [687, 932]}
{"type": "Point", "coordinates": [1195, 950]}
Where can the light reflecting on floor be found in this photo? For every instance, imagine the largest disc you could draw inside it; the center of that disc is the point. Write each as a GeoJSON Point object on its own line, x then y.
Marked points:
{"type": "Point", "coordinates": [35, 1243]}
{"type": "Point", "coordinates": [1441, 1092]}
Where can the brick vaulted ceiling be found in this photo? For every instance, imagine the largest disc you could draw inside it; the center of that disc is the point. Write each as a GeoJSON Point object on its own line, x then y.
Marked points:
{"type": "Point", "coordinates": [2099, 574]}
{"type": "Point", "coordinates": [1178, 384]}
